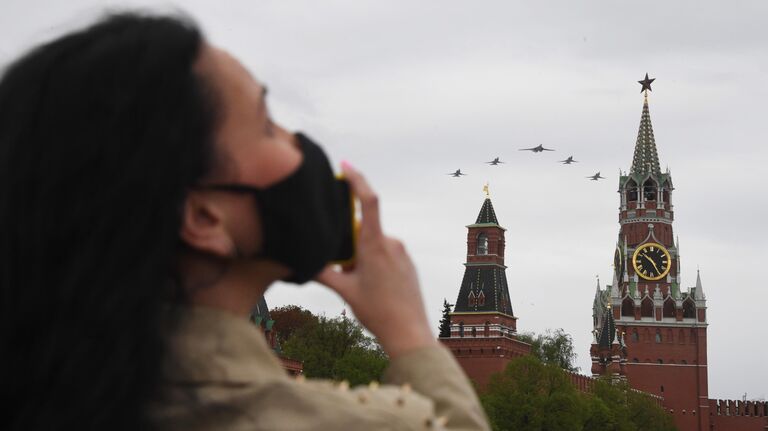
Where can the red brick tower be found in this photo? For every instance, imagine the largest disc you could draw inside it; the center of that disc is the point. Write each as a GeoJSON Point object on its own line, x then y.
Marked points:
{"type": "Point", "coordinates": [483, 326]}
{"type": "Point", "coordinates": [661, 331]}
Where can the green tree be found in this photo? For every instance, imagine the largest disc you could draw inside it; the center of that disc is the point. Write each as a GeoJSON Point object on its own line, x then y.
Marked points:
{"type": "Point", "coordinates": [531, 395]}
{"type": "Point", "coordinates": [337, 348]}
{"type": "Point", "coordinates": [646, 414]}
{"type": "Point", "coordinates": [289, 319]}
{"type": "Point", "coordinates": [445, 323]}
{"type": "Point", "coordinates": [552, 347]}
{"type": "Point", "coordinates": [615, 406]}
{"type": "Point", "coordinates": [607, 407]}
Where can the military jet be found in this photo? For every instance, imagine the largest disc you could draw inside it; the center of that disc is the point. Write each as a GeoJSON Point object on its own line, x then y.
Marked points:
{"type": "Point", "coordinates": [538, 149]}
{"type": "Point", "coordinates": [596, 177]}
{"type": "Point", "coordinates": [495, 162]}
{"type": "Point", "coordinates": [457, 174]}
{"type": "Point", "coordinates": [568, 161]}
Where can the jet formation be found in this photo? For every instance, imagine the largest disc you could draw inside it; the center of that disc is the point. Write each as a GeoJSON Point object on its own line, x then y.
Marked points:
{"type": "Point", "coordinates": [537, 149]}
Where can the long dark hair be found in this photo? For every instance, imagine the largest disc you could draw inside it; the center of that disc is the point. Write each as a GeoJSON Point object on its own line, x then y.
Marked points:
{"type": "Point", "coordinates": [102, 131]}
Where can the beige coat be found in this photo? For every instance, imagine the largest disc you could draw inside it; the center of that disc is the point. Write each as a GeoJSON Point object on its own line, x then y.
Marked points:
{"type": "Point", "coordinates": [222, 375]}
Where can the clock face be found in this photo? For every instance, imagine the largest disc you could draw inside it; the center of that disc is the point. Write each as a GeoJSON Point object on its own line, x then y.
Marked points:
{"type": "Point", "coordinates": [618, 263]}
{"type": "Point", "coordinates": [651, 261]}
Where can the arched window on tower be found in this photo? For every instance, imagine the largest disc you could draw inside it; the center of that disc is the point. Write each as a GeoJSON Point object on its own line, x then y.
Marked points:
{"type": "Point", "coordinates": [689, 308]}
{"type": "Point", "coordinates": [669, 307]}
{"type": "Point", "coordinates": [471, 299]}
{"type": "Point", "coordinates": [649, 190]}
{"type": "Point", "coordinates": [658, 336]}
{"type": "Point", "coordinates": [627, 307]}
{"type": "Point", "coordinates": [635, 336]}
{"type": "Point", "coordinates": [631, 191]}
{"type": "Point", "coordinates": [481, 299]}
{"type": "Point", "coordinates": [482, 244]}
{"type": "Point", "coordinates": [646, 308]}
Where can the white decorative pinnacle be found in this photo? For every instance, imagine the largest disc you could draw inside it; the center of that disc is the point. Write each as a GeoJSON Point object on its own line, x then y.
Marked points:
{"type": "Point", "coordinates": [699, 289]}
{"type": "Point", "coordinates": [615, 286]}
{"type": "Point", "coordinates": [598, 296]}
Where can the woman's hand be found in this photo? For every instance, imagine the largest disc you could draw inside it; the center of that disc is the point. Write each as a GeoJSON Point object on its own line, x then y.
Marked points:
{"type": "Point", "coordinates": [382, 288]}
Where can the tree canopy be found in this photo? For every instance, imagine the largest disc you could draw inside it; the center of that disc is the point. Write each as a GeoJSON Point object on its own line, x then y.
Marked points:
{"type": "Point", "coordinates": [332, 348]}
{"type": "Point", "coordinates": [552, 347]}
{"type": "Point", "coordinates": [288, 319]}
{"type": "Point", "coordinates": [445, 322]}
{"type": "Point", "coordinates": [533, 395]}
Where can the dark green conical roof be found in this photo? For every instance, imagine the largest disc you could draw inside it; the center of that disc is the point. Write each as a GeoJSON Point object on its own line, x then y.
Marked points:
{"type": "Point", "coordinates": [487, 214]}
{"type": "Point", "coordinates": [608, 331]}
{"type": "Point", "coordinates": [646, 158]}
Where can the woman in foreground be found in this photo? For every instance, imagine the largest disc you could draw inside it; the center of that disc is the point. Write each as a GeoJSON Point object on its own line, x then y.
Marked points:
{"type": "Point", "coordinates": [147, 202]}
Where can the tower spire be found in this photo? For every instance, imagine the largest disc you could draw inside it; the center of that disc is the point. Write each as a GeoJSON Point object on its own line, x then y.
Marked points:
{"type": "Point", "coordinates": [699, 293]}
{"type": "Point", "coordinates": [646, 158]}
{"type": "Point", "coordinates": [487, 214]}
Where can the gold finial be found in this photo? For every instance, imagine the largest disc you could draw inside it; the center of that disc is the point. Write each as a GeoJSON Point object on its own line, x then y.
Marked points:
{"type": "Point", "coordinates": [486, 190]}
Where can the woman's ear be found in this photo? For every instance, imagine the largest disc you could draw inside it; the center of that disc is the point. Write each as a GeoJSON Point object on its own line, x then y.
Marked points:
{"type": "Point", "coordinates": [203, 226]}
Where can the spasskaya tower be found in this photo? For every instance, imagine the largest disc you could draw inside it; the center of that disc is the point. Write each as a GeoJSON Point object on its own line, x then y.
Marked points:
{"type": "Point", "coordinates": [647, 329]}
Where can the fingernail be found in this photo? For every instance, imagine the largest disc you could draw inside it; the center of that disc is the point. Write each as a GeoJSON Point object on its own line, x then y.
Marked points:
{"type": "Point", "coordinates": [345, 165]}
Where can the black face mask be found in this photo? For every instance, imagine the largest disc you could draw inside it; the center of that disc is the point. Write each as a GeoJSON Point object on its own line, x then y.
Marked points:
{"type": "Point", "coordinates": [304, 217]}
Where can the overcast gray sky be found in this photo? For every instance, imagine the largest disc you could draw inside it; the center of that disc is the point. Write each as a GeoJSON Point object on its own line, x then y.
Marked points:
{"type": "Point", "coordinates": [408, 91]}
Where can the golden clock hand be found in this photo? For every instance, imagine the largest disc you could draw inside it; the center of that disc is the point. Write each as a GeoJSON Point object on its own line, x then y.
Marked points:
{"type": "Point", "coordinates": [652, 263]}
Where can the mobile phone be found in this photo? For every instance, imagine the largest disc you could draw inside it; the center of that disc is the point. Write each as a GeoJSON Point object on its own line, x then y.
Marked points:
{"type": "Point", "coordinates": [345, 255]}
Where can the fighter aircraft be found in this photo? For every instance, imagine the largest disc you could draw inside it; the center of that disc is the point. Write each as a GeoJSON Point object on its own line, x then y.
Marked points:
{"type": "Point", "coordinates": [495, 162]}
{"type": "Point", "coordinates": [538, 149]}
{"type": "Point", "coordinates": [568, 161]}
{"type": "Point", "coordinates": [457, 174]}
{"type": "Point", "coordinates": [596, 177]}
